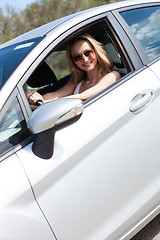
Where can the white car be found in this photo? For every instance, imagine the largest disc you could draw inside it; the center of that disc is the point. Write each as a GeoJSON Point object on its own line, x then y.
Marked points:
{"type": "Point", "coordinates": [74, 170]}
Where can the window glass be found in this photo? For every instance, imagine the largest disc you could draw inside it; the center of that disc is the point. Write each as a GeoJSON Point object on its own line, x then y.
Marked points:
{"type": "Point", "coordinates": [13, 128]}
{"type": "Point", "coordinates": [10, 57]}
{"type": "Point", "coordinates": [145, 23]}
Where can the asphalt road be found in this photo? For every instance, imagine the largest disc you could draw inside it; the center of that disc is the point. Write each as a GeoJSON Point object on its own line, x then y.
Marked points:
{"type": "Point", "coordinates": [150, 232]}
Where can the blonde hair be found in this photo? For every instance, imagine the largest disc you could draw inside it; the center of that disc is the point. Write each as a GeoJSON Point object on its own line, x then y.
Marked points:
{"type": "Point", "coordinates": [103, 60]}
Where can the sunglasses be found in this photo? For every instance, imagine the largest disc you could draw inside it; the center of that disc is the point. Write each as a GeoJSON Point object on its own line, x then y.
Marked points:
{"type": "Point", "coordinates": [79, 57]}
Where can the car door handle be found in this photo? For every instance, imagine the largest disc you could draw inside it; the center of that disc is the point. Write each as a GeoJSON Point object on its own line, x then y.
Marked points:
{"type": "Point", "coordinates": [141, 101]}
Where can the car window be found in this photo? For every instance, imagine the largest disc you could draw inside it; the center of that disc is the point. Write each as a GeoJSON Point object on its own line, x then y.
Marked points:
{"type": "Point", "coordinates": [145, 23]}
{"type": "Point", "coordinates": [54, 71]}
{"type": "Point", "coordinates": [10, 57]}
{"type": "Point", "coordinates": [13, 128]}
{"type": "Point", "coordinates": [45, 77]}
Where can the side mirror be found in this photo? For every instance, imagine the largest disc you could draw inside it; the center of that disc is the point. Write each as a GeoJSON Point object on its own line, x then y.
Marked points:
{"type": "Point", "coordinates": [49, 118]}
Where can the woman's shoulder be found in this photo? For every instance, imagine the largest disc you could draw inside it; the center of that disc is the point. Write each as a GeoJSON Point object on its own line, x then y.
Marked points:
{"type": "Point", "coordinates": [116, 74]}
{"type": "Point", "coordinates": [113, 74]}
{"type": "Point", "coordinates": [110, 78]}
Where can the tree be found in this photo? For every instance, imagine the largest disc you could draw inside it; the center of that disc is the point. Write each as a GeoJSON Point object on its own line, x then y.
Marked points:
{"type": "Point", "coordinates": [39, 13]}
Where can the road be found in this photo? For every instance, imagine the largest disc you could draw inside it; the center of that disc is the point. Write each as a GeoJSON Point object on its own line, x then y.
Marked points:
{"type": "Point", "coordinates": [150, 232]}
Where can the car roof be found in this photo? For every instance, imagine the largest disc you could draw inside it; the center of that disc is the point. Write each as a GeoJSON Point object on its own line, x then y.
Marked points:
{"type": "Point", "coordinates": [43, 30]}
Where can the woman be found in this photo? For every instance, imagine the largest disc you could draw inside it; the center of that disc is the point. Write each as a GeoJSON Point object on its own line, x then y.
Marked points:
{"type": "Point", "coordinates": [92, 71]}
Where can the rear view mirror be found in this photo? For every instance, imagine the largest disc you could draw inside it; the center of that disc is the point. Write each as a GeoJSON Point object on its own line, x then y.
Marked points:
{"type": "Point", "coordinates": [49, 118]}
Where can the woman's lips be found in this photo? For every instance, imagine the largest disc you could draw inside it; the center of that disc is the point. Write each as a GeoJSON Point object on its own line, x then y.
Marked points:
{"type": "Point", "coordinates": [87, 64]}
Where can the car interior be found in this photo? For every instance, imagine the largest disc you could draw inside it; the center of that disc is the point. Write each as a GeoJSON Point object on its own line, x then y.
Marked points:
{"type": "Point", "coordinates": [51, 83]}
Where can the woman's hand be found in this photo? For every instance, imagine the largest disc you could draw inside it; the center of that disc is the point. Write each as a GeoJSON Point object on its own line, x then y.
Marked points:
{"type": "Point", "coordinates": [33, 97]}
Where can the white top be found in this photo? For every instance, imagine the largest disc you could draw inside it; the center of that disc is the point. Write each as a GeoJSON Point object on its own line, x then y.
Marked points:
{"type": "Point", "coordinates": [76, 91]}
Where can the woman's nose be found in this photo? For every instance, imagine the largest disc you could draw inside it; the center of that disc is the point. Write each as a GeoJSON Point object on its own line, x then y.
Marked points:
{"type": "Point", "coordinates": [85, 58]}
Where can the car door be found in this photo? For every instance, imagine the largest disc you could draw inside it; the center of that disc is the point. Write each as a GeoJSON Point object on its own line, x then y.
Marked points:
{"type": "Point", "coordinates": [104, 173]}
{"type": "Point", "coordinates": [103, 177]}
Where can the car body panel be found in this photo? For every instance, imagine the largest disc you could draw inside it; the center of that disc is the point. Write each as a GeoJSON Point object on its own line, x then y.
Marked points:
{"type": "Point", "coordinates": [19, 211]}
{"type": "Point", "coordinates": [155, 68]}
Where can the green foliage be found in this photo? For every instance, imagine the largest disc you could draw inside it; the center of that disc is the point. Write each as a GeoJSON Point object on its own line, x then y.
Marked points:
{"type": "Point", "coordinates": [59, 64]}
{"type": "Point", "coordinates": [41, 12]}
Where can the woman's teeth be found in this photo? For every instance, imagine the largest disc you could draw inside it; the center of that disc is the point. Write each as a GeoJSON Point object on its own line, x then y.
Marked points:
{"type": "Point", "coordinates": [87, 64]}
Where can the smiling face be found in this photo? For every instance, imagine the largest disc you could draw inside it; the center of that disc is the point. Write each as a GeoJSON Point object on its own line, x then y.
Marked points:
{"type": "Point", "coordinates": [84, 55]}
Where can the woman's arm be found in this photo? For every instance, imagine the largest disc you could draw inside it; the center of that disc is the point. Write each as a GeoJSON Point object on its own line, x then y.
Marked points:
{"type": "Point", "coordinates": [105, 82]}
{"type": "Point", "coordinates": [64, 91]}
{"type": "Point", "coordinates": [67, 90]}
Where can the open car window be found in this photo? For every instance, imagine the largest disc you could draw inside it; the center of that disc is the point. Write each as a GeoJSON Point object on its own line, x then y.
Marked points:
{"type": "Point", "coordinates": [54, 71]}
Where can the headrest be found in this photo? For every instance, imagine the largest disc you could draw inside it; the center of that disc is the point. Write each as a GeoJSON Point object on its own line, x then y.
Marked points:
{"type": "Point", "coordinates": [43, 75]}
{"type": "Point", "coordinates": [110, 50]}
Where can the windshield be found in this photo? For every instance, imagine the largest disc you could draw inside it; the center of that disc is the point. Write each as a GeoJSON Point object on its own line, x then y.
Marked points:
{"type": "Point", "coordinates": [10, 57]}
